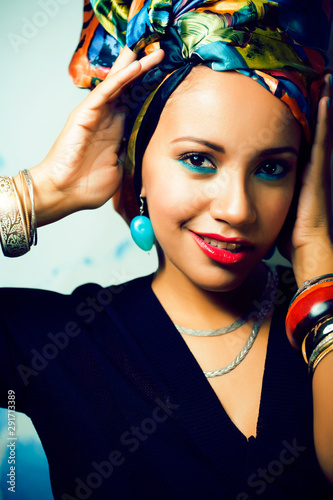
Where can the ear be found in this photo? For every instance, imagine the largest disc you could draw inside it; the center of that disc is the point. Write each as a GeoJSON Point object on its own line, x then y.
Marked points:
{"type": "Point", "coordinates": [143, 192]}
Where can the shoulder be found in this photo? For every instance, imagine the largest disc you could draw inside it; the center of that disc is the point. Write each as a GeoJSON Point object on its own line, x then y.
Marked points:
{"type": "Point", "coordinates": [37, 301]}
{"type": "Point", "coordinates": [129, 291]}
{"type": "Point", "coordinates": [40, 328]}
{"type": "Point", "coordinates": [28, 314]}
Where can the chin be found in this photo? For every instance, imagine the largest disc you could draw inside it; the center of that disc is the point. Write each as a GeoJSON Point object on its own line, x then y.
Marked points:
{"type": "Point", "coordinates": [218, 278]}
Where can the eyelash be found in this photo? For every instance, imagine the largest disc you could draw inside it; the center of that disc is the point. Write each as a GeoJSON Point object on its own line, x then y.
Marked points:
{"type": "Point", "coordinates": [191, 155]}
{"type": "Point", "coordinates": [286, 167]}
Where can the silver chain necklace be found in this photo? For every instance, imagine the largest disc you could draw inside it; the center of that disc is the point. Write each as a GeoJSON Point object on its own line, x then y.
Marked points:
{"type": "Point", "coordinates": [266, 305]}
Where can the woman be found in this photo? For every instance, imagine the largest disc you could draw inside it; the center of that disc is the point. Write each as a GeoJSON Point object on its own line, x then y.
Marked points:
{"type": "Point", "coordinates": [168, 405]}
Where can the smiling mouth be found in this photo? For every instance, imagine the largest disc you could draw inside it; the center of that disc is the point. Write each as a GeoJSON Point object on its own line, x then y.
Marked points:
{"type": "Point", "coordinates": [223, 245]}
{"type": "Point", "coordinates": [221, 250]}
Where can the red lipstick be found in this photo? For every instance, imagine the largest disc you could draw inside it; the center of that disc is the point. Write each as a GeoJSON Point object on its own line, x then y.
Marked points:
{"type": "Point", "coordinates": [236, 248]}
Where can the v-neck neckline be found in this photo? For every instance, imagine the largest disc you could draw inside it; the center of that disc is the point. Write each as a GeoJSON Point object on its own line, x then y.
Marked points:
{"type": "Point", "coordinates": [187, 359]}
{"type": "Point", "coordinates": [199, 407]}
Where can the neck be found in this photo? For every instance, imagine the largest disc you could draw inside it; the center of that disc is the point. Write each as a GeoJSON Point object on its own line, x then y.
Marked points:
{"type": "Point", "coordinates": [191, 306]}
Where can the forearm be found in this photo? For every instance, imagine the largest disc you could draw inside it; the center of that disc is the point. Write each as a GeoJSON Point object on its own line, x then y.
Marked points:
{"type": "Point", "coordinates": [318, 261]}
{"type": "Point", "coordinates": [323, 414]}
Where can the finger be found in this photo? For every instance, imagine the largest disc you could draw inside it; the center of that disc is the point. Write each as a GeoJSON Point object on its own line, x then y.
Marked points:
{"type": "Point", "coordinates": [329, 80]}
{"type": "Point", "coordinates": [320, 148]}
{"type": "Point", "coordinates": [151, 60]}
{"type": "Point", "coordinates": [126, 57]}
{"type": "Point", "coordinates": [321, 133]}
{"type": "Point", "coordinates": [111, 88]}
{"type": "Point", "coordinates": [327, 88]}
{"type": "Point", "coordinates": [324, 117]}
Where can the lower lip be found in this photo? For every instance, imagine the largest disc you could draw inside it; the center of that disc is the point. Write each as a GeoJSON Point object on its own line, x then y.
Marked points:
{"type": "Point", "coordinates": [218, 254]}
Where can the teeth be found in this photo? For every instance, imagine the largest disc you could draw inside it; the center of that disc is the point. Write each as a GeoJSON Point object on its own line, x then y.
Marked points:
{"type": "Point", "coordinates": [223, 245]}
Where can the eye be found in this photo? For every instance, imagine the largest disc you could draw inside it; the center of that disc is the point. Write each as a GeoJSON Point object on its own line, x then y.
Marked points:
{"type": "Point", "coordinates": [273, 170]}
{"type": "Point", "coordinates": [197, 162]}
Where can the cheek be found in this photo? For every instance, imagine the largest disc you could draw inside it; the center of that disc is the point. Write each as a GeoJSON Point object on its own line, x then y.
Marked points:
{"type": "Point", "coordinates": [273, 213]}
{"type": "Point", "coordinates": [171, 197]}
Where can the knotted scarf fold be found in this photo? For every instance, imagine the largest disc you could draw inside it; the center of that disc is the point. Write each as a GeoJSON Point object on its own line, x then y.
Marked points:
{"type": "Point", "coordinates": [280, 44]}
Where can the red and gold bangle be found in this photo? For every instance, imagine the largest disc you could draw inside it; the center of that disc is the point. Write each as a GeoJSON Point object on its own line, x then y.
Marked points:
{"type": "Point", "coordinates": [308, 308]}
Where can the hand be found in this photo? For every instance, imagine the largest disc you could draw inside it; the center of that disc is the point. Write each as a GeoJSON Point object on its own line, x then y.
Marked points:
{"type": "Point", "coordinates": [82, 168]}
{"type": "Point", "coordinates": [310, 246]}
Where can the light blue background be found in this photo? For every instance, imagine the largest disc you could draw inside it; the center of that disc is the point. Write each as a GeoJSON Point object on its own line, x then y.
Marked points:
{"type": "Point", "coordinates": [36, 96]}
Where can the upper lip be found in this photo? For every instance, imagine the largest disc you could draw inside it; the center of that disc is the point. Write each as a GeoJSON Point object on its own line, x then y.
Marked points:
{"type": "Point", "coordinates": [219, 237]}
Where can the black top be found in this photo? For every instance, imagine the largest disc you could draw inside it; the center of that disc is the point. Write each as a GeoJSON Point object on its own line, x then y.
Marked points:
{"type": "Point", "coordinates": [124, 411]}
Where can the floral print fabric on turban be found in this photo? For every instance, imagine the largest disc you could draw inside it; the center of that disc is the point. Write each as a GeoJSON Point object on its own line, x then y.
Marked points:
{"type": "Point", "coordinates": [281, 44]}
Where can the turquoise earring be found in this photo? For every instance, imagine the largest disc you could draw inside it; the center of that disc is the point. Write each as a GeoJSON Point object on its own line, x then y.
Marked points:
{"type": "Point", "coordinates": [142, 231]}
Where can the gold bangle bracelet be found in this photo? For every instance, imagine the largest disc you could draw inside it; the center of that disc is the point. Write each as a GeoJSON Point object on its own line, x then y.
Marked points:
{"type": "Point", "coordinates": [314, 333]}
{"type": "Point", "coordinates": [26, 213]}
{"type": "Point", "coordinates": [304, 349]}
{"type": "Point", "coordinates": [13, 231]}
{"type": "Point", "coordinates": [33, 222]}
{"type": "Point", "coordinates": [321, 356]}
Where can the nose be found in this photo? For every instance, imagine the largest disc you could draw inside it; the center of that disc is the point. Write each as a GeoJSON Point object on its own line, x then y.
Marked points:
{"type": "Point", "coordinates": [232, 201]}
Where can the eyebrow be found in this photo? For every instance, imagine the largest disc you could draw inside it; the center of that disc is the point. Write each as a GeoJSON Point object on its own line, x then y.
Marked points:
{"type": "Point", "coordinates": [274, 151]}
{"type": "Point", "coordinates": [220, 149]}
{"type": "Point", "coordinates": [210, 145]}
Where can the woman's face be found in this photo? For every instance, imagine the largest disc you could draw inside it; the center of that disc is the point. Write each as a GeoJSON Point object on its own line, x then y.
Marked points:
{"type": "Point", "coordinates": [219, 176]}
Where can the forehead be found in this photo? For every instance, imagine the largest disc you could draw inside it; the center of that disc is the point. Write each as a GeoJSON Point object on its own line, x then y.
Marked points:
{"type": "Point", "coordinates": [230, 106]}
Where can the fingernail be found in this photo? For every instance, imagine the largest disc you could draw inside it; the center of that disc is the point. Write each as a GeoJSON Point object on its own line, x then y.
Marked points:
{"type": "Point", "coordinates": [157, 51]}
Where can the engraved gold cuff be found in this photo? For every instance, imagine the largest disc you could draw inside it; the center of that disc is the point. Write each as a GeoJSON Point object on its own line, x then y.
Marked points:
{"type": "Point", "coordinates": [13, 232]}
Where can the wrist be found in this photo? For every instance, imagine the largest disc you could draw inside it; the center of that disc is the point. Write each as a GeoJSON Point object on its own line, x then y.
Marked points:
{"type": "Point", "coordinates": [311, 304]}
{"type": "Point", "coordinates": [51, 203]}
{"type": "Point", "coordinates": [313, 260]}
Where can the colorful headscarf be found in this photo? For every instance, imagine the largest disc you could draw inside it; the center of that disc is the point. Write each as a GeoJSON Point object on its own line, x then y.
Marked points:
{"type": "Point", "coordinates": [280, 44]}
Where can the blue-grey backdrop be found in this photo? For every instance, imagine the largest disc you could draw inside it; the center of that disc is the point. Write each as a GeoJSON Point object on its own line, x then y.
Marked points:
{"type": "Point", "coordinates": [37, 39]}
